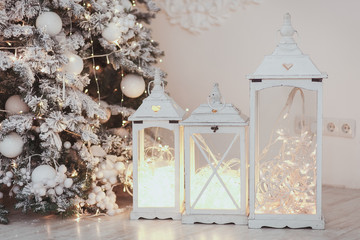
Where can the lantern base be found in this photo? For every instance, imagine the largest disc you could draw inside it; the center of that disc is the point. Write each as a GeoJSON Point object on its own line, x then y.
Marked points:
{"type": "Point", "coordinates": [153, 215]}
{"type": "Point", "coordinates": [214, 218]}
{"type": "Point", "coordinates": [281, 223]}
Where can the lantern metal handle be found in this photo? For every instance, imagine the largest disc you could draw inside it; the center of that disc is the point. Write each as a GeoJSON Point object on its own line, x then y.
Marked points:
{"type": "Point", "coordinates": [162, 85]}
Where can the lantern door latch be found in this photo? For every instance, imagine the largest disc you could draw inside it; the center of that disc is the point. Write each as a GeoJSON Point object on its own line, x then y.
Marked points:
{"type": "Point", "coordinates": [214, 128]}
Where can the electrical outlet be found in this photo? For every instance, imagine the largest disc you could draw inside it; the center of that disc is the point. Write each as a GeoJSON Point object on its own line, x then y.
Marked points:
{"type": "Point", "coordinates": [339, 127]}
{"type": "Point", "coordinates": [330, 127]}
{"type": "Point", "coordinates": [334, 127]}
{"type": "Point", "coordinates": [347, 128]}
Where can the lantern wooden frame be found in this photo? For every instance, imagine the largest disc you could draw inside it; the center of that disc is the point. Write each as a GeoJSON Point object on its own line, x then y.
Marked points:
{"type": "Point", "coordinates": [158, 111]}
{"type": "Point", "coordinates": [205, 120]}
{"type": "Point", "coordinates": [286, 67]}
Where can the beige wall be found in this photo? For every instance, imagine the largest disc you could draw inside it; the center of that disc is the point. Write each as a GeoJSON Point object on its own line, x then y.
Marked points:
{"type": "Point", "coordinates": [329, 31]}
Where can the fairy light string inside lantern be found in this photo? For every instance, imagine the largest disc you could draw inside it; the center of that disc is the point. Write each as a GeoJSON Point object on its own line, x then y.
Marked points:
{"type": "Point", "coordinates": [288, 174]}
{"type": "Point", "coordinates": [156, 172]}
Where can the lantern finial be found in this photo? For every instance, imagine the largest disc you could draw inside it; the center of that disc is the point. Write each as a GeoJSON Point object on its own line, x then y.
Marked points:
{"type": "Point", "coordinates": [287, 31]}
{"type": "Point", "coordinates": [215, 100]}
{"type": "Point", "coordinates": [158, 89]}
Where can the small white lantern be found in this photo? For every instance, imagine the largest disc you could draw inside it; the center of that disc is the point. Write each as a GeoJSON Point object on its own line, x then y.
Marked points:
{"type": "Point", "coordinates": [215, 163]}
{"type": "Point", "coordinates": [286, 138]}
{"type": "Point", "coordinates": [158, 168]}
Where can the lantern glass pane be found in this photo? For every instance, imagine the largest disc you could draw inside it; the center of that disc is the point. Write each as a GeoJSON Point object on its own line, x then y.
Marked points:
{"type": "Point", "coordinates": [156, 169]}
{"type": "Point", "coordinates": [285, 161]}
{"type": "Point", "coordinates": [215, 171]}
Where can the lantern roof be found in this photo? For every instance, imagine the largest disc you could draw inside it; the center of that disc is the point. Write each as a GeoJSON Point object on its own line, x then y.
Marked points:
{"type": "Point", "coordinates": [287, 61]}
{"type": "Point", "coordinates": [216, 112]}
{"type": "Point", "coordinates": [158, 105]}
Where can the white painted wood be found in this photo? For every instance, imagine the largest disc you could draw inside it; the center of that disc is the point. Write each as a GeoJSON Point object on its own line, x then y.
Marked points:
{"type": "Point", "coordinates": [287, 61]}
{"type": "Point", "coordinates": [162, 214]}
{"type": "Point", "coordinates": [287, 66]}
{"type": "Point", "coordinates": [219, 219]}
{"type": "Point", "coordinates": [281, 223]}
{"type": "Point", "coordinates": [158, 110]}
{"type": "Point", "coordinates": [213, 121]}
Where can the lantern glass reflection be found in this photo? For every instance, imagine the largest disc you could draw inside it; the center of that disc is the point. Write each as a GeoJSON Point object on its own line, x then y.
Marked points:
{"type": "Point", "coordinates": [215, 171]}
{"type": "Point", "coordinates": [156, 174]}
{"type": "Point", "coordinates": [286, 155]}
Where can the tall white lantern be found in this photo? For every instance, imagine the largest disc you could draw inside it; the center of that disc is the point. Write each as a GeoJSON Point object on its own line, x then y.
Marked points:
{"type": "Point", "coordinates": [286, 138]}
{"type": "Point", "coordinates": [215, 163]}
{"type": "Point", "coordinates": [158, 168]}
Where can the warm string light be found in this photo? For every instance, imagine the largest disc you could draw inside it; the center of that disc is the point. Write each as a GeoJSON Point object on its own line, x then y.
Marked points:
{"type": "Point", "coordinates": [156, 175]}
{"type": "Point", "coordinates": [94, 69]}
{"type": "Point", "coordinates": [287, 171]}
{"type": "Point", "coordinates": [206, 193]}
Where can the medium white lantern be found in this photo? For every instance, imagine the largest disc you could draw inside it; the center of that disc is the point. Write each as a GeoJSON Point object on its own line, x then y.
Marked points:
{"type": "Point", "coordinates": [286, 138]}
{"type": "Point", "coordinates": [215, 163]}
{"type": "Point", "coordinates": [158, 165]}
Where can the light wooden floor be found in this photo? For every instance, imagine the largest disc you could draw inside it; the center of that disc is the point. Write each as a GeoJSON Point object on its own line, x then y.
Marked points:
{"type": "Point", "coordinates": [341, 208]}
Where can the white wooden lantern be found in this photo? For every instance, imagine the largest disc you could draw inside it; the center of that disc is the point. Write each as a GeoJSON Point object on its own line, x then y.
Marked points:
{"type": "Point", "coordinates": [215, 163]}
{"type": "Point", "coordinates": [158, 165]}
{"type": "Point", "coordinates": [286, 138]}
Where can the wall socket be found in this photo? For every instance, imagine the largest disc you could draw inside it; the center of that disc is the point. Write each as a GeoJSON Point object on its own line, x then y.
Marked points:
{"type": "Point", "coordinates": [335, 127]}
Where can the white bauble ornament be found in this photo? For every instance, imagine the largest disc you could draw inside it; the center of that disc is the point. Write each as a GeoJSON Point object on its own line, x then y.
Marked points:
{"type": "Point", "coordinates": [132, 85]}
{"type": "Point", "coordinates": [108, 115]}
{"type": "Point", "coordinates": [62, 169]}
{"type": "Point", "coordinates": [1, 195]}
{"type": "Point", "coordinates": [49, 22]}
{"type": "Point", "coordinates": [113, 180]}
{"type": "Point", "coordinates": [16, 105]}
{"type": "Point", "coordinates": [67, 145]}
{"type": "Point", "coordinates": [99, 174]}
{"type": "Point", "coordinates": [68, 182]}
{"type": "Point", "coordinates": [51, 191]}
{"type": "Point", "coordinates": [97, 189]}
{"type": "Point", "coordinates": [42, 191]}
{"type": "Point", "coordinates": [75, 64]}
{"type": "Point", "coordinates": [43, 173]}
{"type": "Point", "coordinates": [16, 189]}
{"type": "Point", "coordinates": [12, 145]}
{"type": "Point", "coordinates": [59, 190]}
{"type": "Point", "coordinates": [111, 32]}
{"type": "Point", "coordinates": [9, 174]}
{"type": "Point", "coordinates": [91, 201]}
{"type": "Point", "coordinates": [51, 183]}
{"type": "Point", "coordinates": [126, 4]}
{"type": "Point", "coordinates": [92, 195]}
{"type": "Point", "coordinates": [110, 212]}
{"type": "Point", "coordinates": [120, 166]}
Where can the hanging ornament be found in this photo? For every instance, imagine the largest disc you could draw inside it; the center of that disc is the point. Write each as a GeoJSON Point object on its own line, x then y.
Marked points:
{"type": "Point", "coordinates": [12, 145]}
{"type": "Point", "coordinates": [108, 115]}
{"type": "Point", "coordinates": [49, 22]}
{"type": "Point", "coordinates": [111, 32]}
{"type": "Point", "coordinates": [67, 145]}
{"type": "Point", "coordinates": [107, 110]}
{"type": "Point", "coordinates": [42, 174]}
{"type": "Point", "coordinates": [75, 64]}
{"type": "Point", "coordinates": [16, 105]}
{"type": "Point", "coordinates": [132, 85]}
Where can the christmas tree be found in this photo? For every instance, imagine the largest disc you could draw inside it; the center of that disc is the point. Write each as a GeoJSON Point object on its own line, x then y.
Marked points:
{"type": "Point", "coordinates": [64, 137]}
